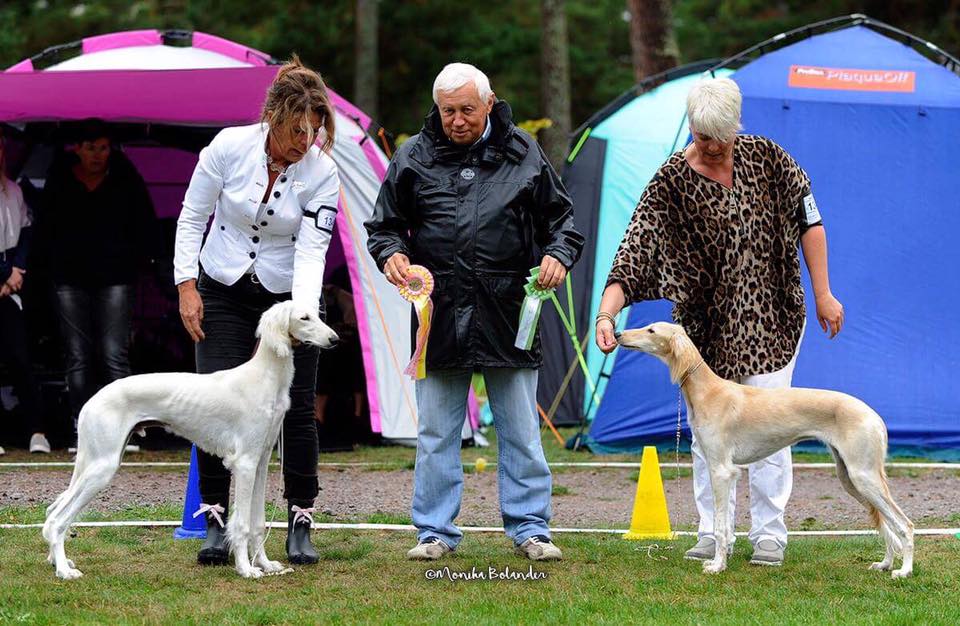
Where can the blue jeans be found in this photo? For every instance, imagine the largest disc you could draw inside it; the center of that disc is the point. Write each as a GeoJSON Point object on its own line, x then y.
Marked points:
{"type": "Point", "coordinates": [522, 472]}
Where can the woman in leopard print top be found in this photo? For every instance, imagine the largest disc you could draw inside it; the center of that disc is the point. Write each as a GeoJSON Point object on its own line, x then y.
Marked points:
{"type": "Point", "coordinates": [716, 232]}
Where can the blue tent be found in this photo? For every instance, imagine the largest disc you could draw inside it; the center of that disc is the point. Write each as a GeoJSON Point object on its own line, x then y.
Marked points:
{"type": "Point", "coordinates": [876, 124]}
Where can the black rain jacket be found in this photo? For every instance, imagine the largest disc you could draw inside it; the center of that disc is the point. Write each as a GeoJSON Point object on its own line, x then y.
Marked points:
{"type": "Point", "coordinates": [479, 218]}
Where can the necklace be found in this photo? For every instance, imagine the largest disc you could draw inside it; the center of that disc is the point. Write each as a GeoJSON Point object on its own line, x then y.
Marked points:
{"type": "Point", "coordinates": [273, 166]}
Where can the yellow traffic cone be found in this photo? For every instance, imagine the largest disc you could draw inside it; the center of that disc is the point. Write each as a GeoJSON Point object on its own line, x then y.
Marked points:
{"type": "Point", "coordinates": [650, 517]}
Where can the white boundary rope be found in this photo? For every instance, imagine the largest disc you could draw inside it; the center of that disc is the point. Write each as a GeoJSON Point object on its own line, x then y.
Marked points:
{"type": "Point", "coordinates": [484, 529]}
{"type": "Point", "coordinates": [401, 465]}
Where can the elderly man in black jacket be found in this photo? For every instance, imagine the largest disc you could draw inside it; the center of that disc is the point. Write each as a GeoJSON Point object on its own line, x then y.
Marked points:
{"type": "Point", "coordinates": [472, 198]}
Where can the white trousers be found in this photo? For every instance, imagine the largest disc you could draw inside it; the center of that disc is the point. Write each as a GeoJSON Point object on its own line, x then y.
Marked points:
{"type": "Point", "coordinates": [771, 479]}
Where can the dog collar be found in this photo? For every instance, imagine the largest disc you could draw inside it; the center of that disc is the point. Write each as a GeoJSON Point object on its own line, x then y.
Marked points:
{"type": "Point", "coordinates": [689, 372]}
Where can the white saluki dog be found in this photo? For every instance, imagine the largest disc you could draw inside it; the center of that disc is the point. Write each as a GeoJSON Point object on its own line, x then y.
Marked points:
{"type": "Point", "coordinates": [235, 414]}
{"type": "Point", "coordinates": [738, 425]}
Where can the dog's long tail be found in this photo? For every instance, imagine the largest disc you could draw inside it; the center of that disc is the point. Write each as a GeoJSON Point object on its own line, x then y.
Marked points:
{"type": "Point", "coordinates": [889, 536]}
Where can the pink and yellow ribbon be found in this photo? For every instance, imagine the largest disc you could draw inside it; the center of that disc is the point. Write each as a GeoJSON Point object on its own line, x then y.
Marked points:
{"type": "Point", "coordinates": [417, 289]}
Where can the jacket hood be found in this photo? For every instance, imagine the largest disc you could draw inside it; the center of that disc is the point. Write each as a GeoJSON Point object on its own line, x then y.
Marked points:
{"type": "Point", "coordinates": [506, 141]}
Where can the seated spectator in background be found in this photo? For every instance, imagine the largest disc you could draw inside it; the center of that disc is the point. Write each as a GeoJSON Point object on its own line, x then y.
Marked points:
{"type": "Point", "coordinates": [94, 236]}
{"type": "Point", "coordinates": [15, 232]}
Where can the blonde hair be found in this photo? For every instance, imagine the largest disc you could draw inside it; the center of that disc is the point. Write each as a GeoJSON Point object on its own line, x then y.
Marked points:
{"type": "Point", "coordinates": [296, 92]}
{"type": "Point", "coordinates": [713, 108]}
{"type": "Point", "coordinates": [455, 75]}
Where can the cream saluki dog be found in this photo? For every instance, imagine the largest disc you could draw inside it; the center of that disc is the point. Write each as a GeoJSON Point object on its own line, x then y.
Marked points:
{"type": "Point", "coordinates": [235, 414]}
{"type": "Point", "coordinates": [737, 425]}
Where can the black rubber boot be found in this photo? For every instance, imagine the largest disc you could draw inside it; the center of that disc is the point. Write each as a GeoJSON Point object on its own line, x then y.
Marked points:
{"type": "Point", "coordinates": [214, 550]}
{"type": "Point", "coordinates": [299, 549]}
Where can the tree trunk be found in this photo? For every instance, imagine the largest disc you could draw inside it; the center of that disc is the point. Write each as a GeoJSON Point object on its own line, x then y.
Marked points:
{"type": "Point", "coordinates": [365, 76]}
{"type": "Point", "coordinates": [651, 37]}
{"type": "Point", "coordinates": [554, 79]}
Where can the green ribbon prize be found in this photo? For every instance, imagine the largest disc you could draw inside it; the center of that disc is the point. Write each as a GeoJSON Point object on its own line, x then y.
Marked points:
{"type": "Point", "coordinates": [530, 310]}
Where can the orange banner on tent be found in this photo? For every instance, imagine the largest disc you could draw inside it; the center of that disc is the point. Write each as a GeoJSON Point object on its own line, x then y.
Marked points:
{"type": "Point", "coordinates": [813, 77]}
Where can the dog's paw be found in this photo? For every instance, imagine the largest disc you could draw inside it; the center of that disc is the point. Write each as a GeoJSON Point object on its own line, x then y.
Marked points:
{"type": "Point", "coordinates": [901, 573]}
{"type": "Point", "coordinates": [272, 567]}
{"type": "Point", "coordinates": [252, 572]}
{"type": "Point", "coordinates": [69, 573]}
{"type": "Point", "coordinates": [709, 567]}
{"type": "Point", "coordinates": [882, 565]}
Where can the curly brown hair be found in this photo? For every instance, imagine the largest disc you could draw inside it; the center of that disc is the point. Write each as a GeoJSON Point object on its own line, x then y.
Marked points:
{"type": "Point", "coordinates": [297, 91]}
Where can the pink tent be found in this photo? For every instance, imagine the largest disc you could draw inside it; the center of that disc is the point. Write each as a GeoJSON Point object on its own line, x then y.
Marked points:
{"type": "Point", "coordinates": [198, 80]}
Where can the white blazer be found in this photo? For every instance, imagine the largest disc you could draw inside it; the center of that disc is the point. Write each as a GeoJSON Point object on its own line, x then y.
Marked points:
{"type": "Point", "coordinates": [284, 241]}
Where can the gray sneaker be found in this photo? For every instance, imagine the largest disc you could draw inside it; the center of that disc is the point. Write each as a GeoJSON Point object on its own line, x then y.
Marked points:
{"type": "Point", "coordinates": [705, 550]}
{"type": "Point", "coordinates": [430, 549]}
{"type": "Point", "coordinates": [540, 548]}
{"type": "Point", "coordinates": [767, 552]}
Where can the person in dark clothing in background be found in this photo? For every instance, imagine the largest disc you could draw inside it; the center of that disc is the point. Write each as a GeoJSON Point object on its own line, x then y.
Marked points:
{"type": "Point", "coordinates": [340, 376]}
{"type": "Point", "coordinates": [94, 237]}
{"type": "Point", "coordinates": [15, 236]}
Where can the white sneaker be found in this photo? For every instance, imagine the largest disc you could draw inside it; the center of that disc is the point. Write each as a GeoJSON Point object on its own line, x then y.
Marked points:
{"type": "Point", "coordinates": [540, 548]}
{"type": "Point", "coordinates": [39, 443]}
{"type": "Point", "coordinates": [2, 451]}
{"type": "Point", "coordinates": [430, 549]}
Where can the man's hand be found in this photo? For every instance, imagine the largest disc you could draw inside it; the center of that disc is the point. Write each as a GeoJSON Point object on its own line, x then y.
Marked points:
{"type": "Point", "coordinates": [15, 282]}
{"type": "Point", "coordinates": [191, 309]}
{"type": "Point", "coordinates": [605, 339]}
{"type": "Point", "coordinates": [829, 313]}
{"type": "Point", "coordinates": [395, 269]}
{"type": "Point", "coordinates": [552, 272]}
{"type": "Point", "coordinates": [5, 290]}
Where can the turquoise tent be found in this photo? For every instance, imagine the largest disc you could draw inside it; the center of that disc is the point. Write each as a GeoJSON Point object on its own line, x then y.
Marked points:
{"type": "Point", "coordinates": [614, 155]}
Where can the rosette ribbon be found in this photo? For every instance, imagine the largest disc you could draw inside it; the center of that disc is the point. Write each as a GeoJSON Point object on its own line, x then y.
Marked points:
{"type": "Point", "coordinates": [417, 290]}
{"type": "Point", "coordinates": [530, 310]}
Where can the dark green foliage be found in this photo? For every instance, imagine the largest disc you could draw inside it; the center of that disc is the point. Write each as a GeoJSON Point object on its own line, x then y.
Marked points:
{"type": "Point", "coordinates": [417, 37]}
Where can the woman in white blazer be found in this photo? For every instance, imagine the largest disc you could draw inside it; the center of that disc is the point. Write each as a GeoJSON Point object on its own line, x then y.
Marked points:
{"type": "Point", "coordinates": [273, 197]}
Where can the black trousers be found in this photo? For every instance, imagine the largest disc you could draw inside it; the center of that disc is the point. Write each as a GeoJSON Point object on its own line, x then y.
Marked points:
{"type": "Point", "coordinates": [13, 352]}
{"type": "Point", "coordinates": [95, 322]}
{"type": "Point", "coordinates": [230, 317]}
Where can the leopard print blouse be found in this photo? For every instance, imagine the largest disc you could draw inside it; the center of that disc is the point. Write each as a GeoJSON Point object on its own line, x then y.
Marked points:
{"type": "Point", "coordinates": [726, 258]}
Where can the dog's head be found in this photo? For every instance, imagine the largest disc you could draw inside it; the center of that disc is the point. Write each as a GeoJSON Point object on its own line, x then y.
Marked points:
{"type": "Point", "coordinates": [286, 324]}
{"type": "Point", "coordinates": [661, 339]}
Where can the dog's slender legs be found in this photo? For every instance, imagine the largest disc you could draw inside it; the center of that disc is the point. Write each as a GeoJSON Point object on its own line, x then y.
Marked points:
{"type": "Point", "coordinates": [722, 476]}
{"type": "Point", "coordinates": [258, 520]}
{"type": "Point", "coordinates": [904, 529]}
{"type": "Point", "coordinates": [257, 513]}
{"type": "Point", "coordinates": [889, 541]}
{"type": "Point", "coordinates": [874, 488]}
{"type": "Point", "coordinates": [238, 527]}
{"type": "Point", "coordinates": [95, 478]}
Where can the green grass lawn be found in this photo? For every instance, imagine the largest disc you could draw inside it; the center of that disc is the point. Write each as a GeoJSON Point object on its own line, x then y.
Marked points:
{"type": "Point", "coordinates": [137, 575]}
{"type": "Point", "coordinates": [393, 456]}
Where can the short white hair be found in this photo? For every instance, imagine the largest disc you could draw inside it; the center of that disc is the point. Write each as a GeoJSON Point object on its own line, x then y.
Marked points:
{"type": "Point", "coordinates": [713, 108]}
{"type": "Point", "coordinates": [456, 75]}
